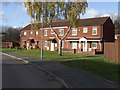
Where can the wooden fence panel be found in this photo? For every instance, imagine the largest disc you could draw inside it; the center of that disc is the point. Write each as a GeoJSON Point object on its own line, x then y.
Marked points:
{"type": "Point", "coordinates": [112, 50]}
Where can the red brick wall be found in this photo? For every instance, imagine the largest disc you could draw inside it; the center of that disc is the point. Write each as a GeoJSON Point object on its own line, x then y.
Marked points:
{"type": "Point", "coordinates": [88, 34]}
{"type": "Point", "coordinates": [79, 34]}
{"type": "Point", "coordinates": [112, 50]}
{"type": "Point", "coordinates": [28, 36]}
{"type": "Point", "coordinates": [6, 44]}
{"type": "Point", "coordinates": [108, 31]}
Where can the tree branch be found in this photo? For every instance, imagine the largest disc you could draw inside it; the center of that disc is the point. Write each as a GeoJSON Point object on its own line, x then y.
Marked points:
{"type": "Point", "coordinates": [66, 33]}
{"type": "Point", "coordinates": [55, 33]}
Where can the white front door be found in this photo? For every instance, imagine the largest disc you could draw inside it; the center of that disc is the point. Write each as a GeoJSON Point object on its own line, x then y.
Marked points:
{"type": "Point", "coordinates": [84, 46]}
{"type": "Point", "coordinates": [27, 46]}
{"type": "Point", "coordinates": [52, 46]}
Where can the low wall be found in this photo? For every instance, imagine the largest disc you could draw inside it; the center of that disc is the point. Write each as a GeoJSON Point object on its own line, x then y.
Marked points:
{"type": "Point", "coordinates": [93, 52]}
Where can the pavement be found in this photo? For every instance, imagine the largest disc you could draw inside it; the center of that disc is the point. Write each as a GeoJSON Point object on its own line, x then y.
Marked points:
{"type": "Point", "coordinates": [72, 77]}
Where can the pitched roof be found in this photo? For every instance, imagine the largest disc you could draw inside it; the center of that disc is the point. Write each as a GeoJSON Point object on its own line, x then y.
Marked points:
{"type": "Point", "coordinates": [81, 22]}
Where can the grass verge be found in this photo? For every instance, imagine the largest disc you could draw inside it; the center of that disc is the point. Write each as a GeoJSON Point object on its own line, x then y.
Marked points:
{"type": "Point", "coordinates": [98, 66]}
{"type": "Point", "coordinates": [48, 55]}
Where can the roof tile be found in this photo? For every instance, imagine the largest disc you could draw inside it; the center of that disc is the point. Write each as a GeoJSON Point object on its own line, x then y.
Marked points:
{"type": "Point", "coordinates": [81, 22]}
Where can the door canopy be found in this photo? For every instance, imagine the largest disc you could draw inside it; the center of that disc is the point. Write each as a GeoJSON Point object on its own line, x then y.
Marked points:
{"type": "Point", "coordinates": [82, 39]}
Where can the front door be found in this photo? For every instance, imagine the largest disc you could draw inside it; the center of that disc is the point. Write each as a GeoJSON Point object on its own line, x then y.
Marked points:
{"type": "Point", "coordinates": [52, 46]}
{"type": "Point", "coordinates": [84, 44]}
{"type": "Point", "coordinates": [28, 45]}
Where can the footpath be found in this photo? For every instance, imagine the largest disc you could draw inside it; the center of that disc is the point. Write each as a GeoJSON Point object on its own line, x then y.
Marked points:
{"type": "Point", "coordinates": [70, 77]}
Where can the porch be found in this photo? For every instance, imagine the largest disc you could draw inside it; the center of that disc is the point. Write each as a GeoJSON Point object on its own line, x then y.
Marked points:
{"type": "Point", "coordinates": [84, 45]}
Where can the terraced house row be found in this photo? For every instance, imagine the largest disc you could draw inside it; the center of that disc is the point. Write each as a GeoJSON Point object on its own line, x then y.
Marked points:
{"type": "Point", "coordinates": [88, 37]}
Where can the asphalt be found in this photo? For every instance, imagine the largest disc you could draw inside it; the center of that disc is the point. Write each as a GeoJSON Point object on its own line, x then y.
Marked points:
{"type": "Point", "coordinates": [74, 78]}
{"type": "Point", "coordinates": [18, 74]}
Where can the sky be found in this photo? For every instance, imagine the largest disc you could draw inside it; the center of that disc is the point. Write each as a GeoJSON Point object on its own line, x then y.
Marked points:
{"type": "Point", "coordinates": [14, 13]}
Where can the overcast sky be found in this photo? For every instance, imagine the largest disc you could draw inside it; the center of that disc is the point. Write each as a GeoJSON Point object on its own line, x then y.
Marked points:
{"type": "Point", "coordinates": [14, 13]}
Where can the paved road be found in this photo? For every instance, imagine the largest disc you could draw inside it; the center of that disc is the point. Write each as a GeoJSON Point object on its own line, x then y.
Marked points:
{"type": "Point", "coordinates": [17, 74]}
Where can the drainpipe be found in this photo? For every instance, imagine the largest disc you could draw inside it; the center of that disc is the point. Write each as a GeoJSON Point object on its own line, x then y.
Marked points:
{"type": "Point", "coordinates": [102, 39]}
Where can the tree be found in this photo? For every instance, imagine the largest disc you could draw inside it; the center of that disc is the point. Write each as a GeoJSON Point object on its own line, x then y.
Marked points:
{"type": "Point", "coordinates": [11, 35]}
{"type": "Point", "coordinates": [50, 11]}
{"type": "Point", "coordinates": [117, 25]}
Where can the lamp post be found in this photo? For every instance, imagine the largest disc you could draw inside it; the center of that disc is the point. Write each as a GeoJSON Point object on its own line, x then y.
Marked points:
{"type": "Point", "coordinates": [42, 35]}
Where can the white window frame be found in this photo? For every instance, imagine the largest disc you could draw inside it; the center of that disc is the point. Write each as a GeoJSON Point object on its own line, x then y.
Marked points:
{"type": "Point", "coordinates": [74, 30]}
{"type": "Point", "coordinates": [52, 32]}
{"type": "Point", "coordinates": [45, 44]}
{"type": "Point", "coordinates": [85, 30]}
{"type": "Point", "coordinates": [55, 44]}
{"type": "Point", "coordinates": [45, 32]}
{"type": "Point", "coordinates": [94, 28]}
{"type": "Point", "coordinates": [61, 30]}
{"type": "Point", "coordinates": [31, 32]}
{"type": "Point", "coordinates": [24, 33]}
{"type": "Point", "coordinates": [74, 45]}
{"type": "Point", "coordinates": [36, 33]}
{"type": "Point", "coordinates": [95, 44]}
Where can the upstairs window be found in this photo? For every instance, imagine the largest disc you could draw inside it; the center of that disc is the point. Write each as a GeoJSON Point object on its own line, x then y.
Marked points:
{"type": "Point", "coordinates": [94, 31]}
{"type": "Point", "coordinates": [61, 32]}
{"type": "Point", "coordinates": [25, 33]}
{"type": "Point", "coordinates": [45, 32]}
{"type": "Point", "coordinates": [85, 30]}
{"type": "Point", "coordinates": [74, 31]}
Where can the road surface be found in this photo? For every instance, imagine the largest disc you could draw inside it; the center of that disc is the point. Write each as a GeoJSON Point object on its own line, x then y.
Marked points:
{"type": "Point", "coordinates": [17, 74]}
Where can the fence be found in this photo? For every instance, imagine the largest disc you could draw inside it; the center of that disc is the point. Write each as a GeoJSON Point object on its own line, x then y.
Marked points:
{"type": "Point", "coordinates": [112, 50]}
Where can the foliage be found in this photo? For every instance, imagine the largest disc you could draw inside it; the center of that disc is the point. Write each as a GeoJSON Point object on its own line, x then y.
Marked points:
{"type": "Point", "coordinates": [117, 24]}
{"type": "Point", "coordinates": [49, 11]}
{"type": "Point", "coordinates": [11, 35]}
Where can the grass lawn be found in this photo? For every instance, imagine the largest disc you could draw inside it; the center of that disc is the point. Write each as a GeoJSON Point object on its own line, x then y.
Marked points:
{"type": "Point", "coordinates": [48, 55]}
{"type": "Point", "coordinates": [99, 66]}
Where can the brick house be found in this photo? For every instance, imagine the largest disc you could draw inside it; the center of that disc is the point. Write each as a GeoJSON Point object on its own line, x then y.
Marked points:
{"type": "Point", "coordinates": [88, 37]}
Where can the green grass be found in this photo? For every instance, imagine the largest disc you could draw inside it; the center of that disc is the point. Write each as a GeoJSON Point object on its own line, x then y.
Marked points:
{"type": "Point", "coordinates": [99, 66]}
{"type": "Point", "coordinates": [48, 55]}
